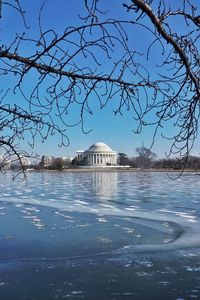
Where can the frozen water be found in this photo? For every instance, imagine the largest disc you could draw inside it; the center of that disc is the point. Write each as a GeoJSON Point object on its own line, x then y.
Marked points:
{"type": "Point", "coordinates": [78, 233]}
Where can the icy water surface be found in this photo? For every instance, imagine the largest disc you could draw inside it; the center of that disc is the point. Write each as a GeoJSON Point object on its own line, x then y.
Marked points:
{"type": "Point", "coordinates": [100, 235]}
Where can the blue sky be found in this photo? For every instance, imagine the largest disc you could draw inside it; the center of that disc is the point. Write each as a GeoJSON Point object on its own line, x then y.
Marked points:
{"type": "Point", "coordinates": [117, 130]}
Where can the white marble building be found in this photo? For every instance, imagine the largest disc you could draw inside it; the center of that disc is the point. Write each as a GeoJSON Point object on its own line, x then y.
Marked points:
{"type": "Point", "coordinates": [98, 154]}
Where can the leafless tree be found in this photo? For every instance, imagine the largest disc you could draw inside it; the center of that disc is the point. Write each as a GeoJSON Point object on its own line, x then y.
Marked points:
{"type": "Point", "coordinates": [145, 157]}
{"type": "Point", "coordinates": [66, 69]}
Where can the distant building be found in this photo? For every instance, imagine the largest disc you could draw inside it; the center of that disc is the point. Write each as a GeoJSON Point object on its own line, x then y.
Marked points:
{"type": "Point", "coordinates": [17, 164]}
{"type": "Point", "coordinates": [51, 161]}
{"type": "Point", "coordinates": [98, 154]}
{"type": "Point", "coordinates": [46, 161]}
{"type": "Point", "coordinates": [25, 161]}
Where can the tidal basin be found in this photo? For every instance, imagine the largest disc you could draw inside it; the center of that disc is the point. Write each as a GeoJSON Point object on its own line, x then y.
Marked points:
{"type": "Point", "coordinates": [100, 235]}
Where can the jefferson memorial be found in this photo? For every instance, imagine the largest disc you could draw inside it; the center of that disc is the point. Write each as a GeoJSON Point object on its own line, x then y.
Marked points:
{"type": "Point", "coordinates": [98, 154]}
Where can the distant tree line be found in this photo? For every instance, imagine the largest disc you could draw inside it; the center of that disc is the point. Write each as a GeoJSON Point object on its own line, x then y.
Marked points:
{"type": "Point", "coordinates": [54, 163]}
{"type": "Point", "coordinates": [146, 159]}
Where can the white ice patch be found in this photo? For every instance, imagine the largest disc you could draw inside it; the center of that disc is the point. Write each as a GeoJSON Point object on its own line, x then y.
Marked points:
{"type": "Point", "coordinates": [102, 220]}
{"type": "Point", "coordinates": [189, 224]}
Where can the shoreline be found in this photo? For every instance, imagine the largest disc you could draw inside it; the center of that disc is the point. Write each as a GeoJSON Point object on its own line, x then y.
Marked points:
{"type": "Point", "coordinates": [128, 170]}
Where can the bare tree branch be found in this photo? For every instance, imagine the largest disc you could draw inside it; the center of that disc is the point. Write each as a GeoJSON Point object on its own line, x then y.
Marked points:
{"type": "Point", "coordinates": [100, 59]}
{"type": "Point", "coordinates": [169, 39]}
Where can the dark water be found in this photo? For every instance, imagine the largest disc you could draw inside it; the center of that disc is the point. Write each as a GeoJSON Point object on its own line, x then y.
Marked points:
{"type": "Point", "coordinates": [100, 235]}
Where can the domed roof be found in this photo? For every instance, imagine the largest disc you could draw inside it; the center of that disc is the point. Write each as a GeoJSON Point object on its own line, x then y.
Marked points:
{"type": "Point", "coordinates": [99, 147]}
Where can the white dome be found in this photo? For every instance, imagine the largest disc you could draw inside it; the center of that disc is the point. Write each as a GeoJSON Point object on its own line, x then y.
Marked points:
{"type": "Point", "coordinates": [99, 147]}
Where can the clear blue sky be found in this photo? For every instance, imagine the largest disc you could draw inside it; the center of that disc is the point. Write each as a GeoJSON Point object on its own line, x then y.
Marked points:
{"type": "Point", "coordinates": [116, 131]}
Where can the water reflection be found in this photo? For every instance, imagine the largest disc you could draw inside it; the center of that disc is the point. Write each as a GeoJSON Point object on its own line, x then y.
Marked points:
{"type": "Point", "coordinates": [104, 184]}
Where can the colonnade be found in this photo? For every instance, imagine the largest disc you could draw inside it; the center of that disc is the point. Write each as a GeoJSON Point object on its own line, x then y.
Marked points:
{"type": "Point", "coordinates": [101, 158]}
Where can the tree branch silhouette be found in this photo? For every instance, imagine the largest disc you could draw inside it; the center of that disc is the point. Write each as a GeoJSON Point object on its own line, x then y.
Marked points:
{"type": "Point", "coordinates": [97, 60]}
